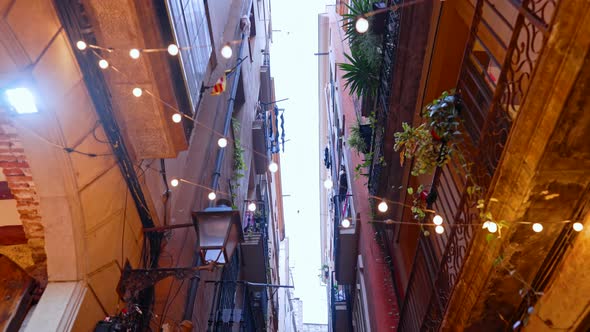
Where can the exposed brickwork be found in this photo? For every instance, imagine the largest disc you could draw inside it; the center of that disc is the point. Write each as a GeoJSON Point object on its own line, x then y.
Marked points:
{"type": "Point", "coordinates": [15, 167]}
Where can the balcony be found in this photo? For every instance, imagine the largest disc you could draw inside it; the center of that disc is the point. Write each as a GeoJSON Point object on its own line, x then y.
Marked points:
{"type": "Point", "coordinates": [498, 69]}
{"type": "Point", "coordinates": [255, 245]}
{"type": "Point", "coordinates": [237, 306]}
{"type": "Point", "coordinates": [345, 240]}
{"type": "Point", "coordinates": [341, 307]}
{"type": "Point", "coordinates": [145, 121]}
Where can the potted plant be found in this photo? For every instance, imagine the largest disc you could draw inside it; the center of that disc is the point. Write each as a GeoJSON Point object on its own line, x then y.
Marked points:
{"type": "Point", "coordinates": [364, 62]}
{"type": "Point", "coordinates": [361, 74]}
{"type": "Point", "coordinates": [360, 137]}
{"type": "Point", "coordinates": [433, 142]}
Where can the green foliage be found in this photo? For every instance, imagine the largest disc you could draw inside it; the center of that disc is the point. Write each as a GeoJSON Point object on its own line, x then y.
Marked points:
{"type": "Point", "coordinates": [361, 74]}
{"type": "Point", "coordinates": [239, 165]}
{"type": "Point", "coordinates": [368, 161]}
{"type": "Point", "coordinates": [356, 140]}
{"type": "Point", "coordinates": [418, 204]}
{"type": "Point", "coordinates": [433, 142]}
{"type": "Point", "coordinates": [417, 143]}
{"type": "Point", "coordinates": [442, 117]}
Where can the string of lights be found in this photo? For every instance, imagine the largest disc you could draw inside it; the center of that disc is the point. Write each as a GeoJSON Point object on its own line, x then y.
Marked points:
{"type": "Point", "coordinates": [437, 220]}
{"type": "Point", "coordinates": [177, 115]}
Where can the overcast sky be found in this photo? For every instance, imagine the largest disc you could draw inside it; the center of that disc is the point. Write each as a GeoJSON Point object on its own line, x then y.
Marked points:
{"type": "Point", "coordinates": [295, 69]}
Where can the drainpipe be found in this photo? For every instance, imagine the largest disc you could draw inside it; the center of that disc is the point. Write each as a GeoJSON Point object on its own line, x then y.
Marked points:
{"type": "Point", "coordinates": [190, 302]}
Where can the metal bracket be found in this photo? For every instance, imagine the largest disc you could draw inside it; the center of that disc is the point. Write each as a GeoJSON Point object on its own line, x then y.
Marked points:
{"type": "Point", "coordinates": [134, 281]}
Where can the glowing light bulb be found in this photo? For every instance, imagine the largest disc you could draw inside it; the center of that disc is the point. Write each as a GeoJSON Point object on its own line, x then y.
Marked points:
{"type": "Point", "coordinates": [437, 220]}
{"type": "Point", "coordinates": [273, 167]}
{"type": "Point", "coordinates": [176, 117]}
{"type": "Point", "coordinates": [492, 227]}
{"type": "Point", "coordinates": [382, 206]}
{"type": "Point", "coordinates": [578, 227]}
{"type": "Point", "coordinates": [104, 64]}
{"type": "Point", "coordinates": [252, 207]}
{"type": "Point", "coordinates": [172, 49]}
{"type": "Point", "coordinates": [174, 182]}
{"type": "Point", "coordinates": [485, 225]}
{"type": "Point", "coordinates": [345, 223]}
{"type": "Point", "coordinates": [134, 53]}
{"type": "Point", "coordinates": [537, 227]}
{"type": "Point", "coordinates": [222, 142]}
{"type": "Point", "coordinates": [439, 229]}
{"type": "Point", "coordinates": [137, 92]}
{"type": "Point", "coordinates": [226, 51]}
{"type": "Point", "coordinates": [361, 25]}
{"type": "Point", "coordinates": [212, 196]}
{"type": "Point", "coordinates": [81, 45]}
{"type": "Point", "coordinates": [328, 184]}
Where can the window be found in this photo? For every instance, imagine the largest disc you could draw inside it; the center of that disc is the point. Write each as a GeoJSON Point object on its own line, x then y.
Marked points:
{"type": "Point", "coordinates": [190, 24]}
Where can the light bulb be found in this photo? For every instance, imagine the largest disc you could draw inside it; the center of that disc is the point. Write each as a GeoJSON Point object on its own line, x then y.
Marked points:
{"type": "Point", "coordinates": [137, 92]}
{"type": "Point", "coordinates": [226, 51]}
{"type": "Point", "coordinates": [252, 207]}
{"type": "Point", "coordinates": [578, 227]}
{"type": "Point", "coordinates": [345, 223]}
{"type": "Point", "coordinates": [437, 220]}
{"type": "Point", "coordinates": [273, 167]}
{"type": "Point", "coordinates": [81, 45]}
{"type": "Point", "coordinates": [134, 53]}
{"type": "Point", "coordinates": [104, 64]}
{"type": "Point", "coordinates": [537, 227]}
{"type": "Point", "coordinates": [439, 229]}
{"type": "Point", "coordinates": [212, 196]}
{"type": "Point", "coordinates": [172, 49]}
{"type": "Point", "coordinates": [176, 117]}
{"type": "Point", "coordinates": [382, 206]}
{"type": "Point", "coordinates": [361, 25]}
{"type": "Point", "coordinates": [485, 225]}
{"type": "Point", "coordinates": [174, 182]}
{"type": "Point", "coordinates": [328, 183]}
{"type": "Point", "coordinates": [492, 226]}
{"type": "Point", "coordinates": [222, 142]}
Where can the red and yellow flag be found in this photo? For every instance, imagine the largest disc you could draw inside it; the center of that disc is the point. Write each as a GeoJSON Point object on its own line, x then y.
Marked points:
{"type": "Point", "coordinates": [219, 86]}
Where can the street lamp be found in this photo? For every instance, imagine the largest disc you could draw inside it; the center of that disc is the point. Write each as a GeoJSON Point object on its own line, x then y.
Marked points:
{"type": "Point", "coordinates": [219, 232]}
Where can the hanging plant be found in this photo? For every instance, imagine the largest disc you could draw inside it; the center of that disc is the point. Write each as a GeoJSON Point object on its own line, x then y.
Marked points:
{"type": "Point", "coordinates": [443, 118]}
{"type": "Point", "coordinates": [433, 142]}
{"type": "Point", "coordinates": [417, 143]}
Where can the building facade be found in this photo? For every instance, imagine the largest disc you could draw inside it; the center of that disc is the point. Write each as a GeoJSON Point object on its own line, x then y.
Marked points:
{"type": "Point", "coordinates": [476, 199]}
{"type": "Point", "coordinates": [111, 139]}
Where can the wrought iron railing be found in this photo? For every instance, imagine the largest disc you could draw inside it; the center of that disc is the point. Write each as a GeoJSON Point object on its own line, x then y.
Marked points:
{"type": "Point", "coordinates": [235, 306]}
{"type": "Point", "coordinates": [390, 47]}
{"type": "Point", "coordinates": [256, 223]}
{"type": "Point", "coordinates": [223, 310]}
{"type": "Point", "coordinates": [494, 81]}
{"type": "Point", "coordinates": [340, 295]}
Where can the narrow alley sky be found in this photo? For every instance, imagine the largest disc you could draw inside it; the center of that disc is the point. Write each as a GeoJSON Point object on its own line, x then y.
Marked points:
{"type": "Point", "coordinates": [295, 69]}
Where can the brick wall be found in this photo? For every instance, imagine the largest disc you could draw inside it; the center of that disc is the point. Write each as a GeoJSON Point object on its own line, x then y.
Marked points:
{"type": "Point", "coordinates": [15, 167]}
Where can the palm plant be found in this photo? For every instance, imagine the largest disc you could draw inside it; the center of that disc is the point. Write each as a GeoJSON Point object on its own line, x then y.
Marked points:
{"type": "Point", "coordinates": [361, 75]}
